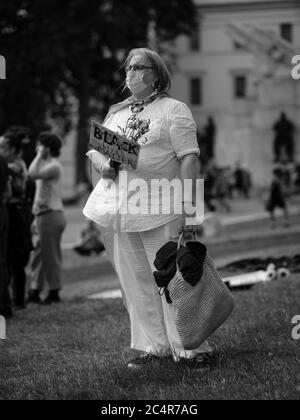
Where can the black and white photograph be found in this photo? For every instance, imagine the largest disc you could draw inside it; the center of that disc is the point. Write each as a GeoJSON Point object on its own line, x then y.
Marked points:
{"type": "Point", "coordinates": [149, 203]}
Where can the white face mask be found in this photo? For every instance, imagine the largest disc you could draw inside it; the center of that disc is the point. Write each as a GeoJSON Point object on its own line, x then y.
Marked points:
{"type": "Point", "coordinates": [135, 82]}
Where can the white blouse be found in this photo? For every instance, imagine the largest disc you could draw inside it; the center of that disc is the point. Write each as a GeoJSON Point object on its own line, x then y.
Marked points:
{"type": "Point", "coordinates": [172, 136]}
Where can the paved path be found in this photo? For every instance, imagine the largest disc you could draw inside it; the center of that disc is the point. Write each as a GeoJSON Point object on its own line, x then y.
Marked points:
{"type": "Point", "coordinates": [243, 211]}
{"type": "Point", "coordinates": [246, 235]}
{"type": "Point", "coordinates": [85, 276]}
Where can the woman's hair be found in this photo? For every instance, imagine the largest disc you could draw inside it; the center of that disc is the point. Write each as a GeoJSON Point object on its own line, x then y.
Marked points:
{"type": "Point", "coordinates": [52, 141]}
{"type": "Point", "coordinates": [14, 140]}
{"type": "Point", "coordinates": [158, 64]}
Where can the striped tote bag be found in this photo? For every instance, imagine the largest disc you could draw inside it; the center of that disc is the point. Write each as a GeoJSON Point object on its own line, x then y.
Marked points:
{"type": "Point", "coordinates": [199, 310]}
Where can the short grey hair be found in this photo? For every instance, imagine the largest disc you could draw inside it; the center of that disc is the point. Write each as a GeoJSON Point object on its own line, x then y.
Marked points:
{"type": "Point", "coordinates": [160, 68]}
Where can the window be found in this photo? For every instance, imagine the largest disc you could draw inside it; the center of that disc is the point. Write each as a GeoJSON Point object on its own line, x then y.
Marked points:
{"type": "Point", "coordinates": [240, 87]}
{"type": "Point", "coordinates": [286, 32]}
{"type": "Point", "coordinates": [196, 91]}
{"type": "Point", "coordinates": [237, 45]}
{"type": "Point", "coordinates": [195, 42]}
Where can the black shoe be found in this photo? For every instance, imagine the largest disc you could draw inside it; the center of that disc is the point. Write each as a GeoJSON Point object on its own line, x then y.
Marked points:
{"type": "Point", "coordinates": [53, 297]}
{"type": "Point", "coordinates": [142, 360]}
{"type": "Point", "coordinates": [34, 297]}
{"type": "Point", "coordinates": [202, 362]}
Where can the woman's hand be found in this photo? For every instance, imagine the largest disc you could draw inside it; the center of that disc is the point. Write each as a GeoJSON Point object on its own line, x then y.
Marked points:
{"type": "Point", "coordinates": [108, 172]}
{"type": "Point", "coordinates": [34, 230]}
{"type": "Point", "coordinates": [41, 151]}
{"type": "Point", "coordinates": [186, 228]}
{"type": "Point", "coordinates": [183, 227]}
{"type": "Point", "coordinates": [189, 169]}
{"type": "Point", "coordinates": [97, 159]}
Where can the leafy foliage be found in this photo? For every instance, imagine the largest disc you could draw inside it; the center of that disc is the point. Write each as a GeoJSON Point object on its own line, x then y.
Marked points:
{"type": "Point", "coordinates": [64, 53]}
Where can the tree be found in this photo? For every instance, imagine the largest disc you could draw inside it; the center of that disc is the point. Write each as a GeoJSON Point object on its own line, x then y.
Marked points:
{"type": "Point", "coordinates": [74, 49]}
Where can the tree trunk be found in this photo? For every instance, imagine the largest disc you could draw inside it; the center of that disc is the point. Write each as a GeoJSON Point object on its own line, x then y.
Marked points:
{"type": "Point", "coordinates": [82, 133]}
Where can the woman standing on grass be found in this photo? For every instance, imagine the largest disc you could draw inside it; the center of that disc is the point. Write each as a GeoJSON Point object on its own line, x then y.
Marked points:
{"type": "Point", "coordinates": [49, 219]}
{"type": "Point", "coordinates": [168, 151]}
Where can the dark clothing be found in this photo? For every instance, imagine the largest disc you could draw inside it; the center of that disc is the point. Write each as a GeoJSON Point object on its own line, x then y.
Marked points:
{"type": "Point", "coordinates": [210, 133]}
{"type": "Point", "coordinates": [165, 263]}
{"type": "Point", "coordinates": [209, 191]}
{"type": "Point", "coordinates": [18, 179]}
{"type": "Point", "coordinates": [19, 247]}
{"type": "Point", "coordinates": [239, 179]}
{"type": "Point", "coordinates": [190, 259]}
{"type": "Point", "coordinates": [280, 145]}
{"type": "Point", "coordinates": [5, 302]}
{"type": "Point", "coordinates": [19, 233]}
{"type": "Point", "coordinates": [242, 182]}
{"type": "Point", "coordinates": [276, 198]}
{"type": "Point", "coordinates": [3, 177]}
{"type": "Point", "coordinates": [284, 130]}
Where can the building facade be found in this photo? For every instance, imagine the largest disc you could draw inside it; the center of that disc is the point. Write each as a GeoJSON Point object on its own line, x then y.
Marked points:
{"type": "Point", "coordinates": [243, 89]}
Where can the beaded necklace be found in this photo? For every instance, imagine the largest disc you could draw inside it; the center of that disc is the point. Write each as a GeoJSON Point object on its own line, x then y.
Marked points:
{"type": "Point", "coordinates": [139, 106]}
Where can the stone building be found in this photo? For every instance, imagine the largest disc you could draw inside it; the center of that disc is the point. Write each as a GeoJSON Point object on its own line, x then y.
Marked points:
{"type": "Point", "coordinates": [237, 68]}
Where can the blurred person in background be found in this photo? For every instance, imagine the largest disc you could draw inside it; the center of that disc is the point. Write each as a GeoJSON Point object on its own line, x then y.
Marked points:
{"type": "Point", "coordinates": [276, 198]}
{"type": "Point", "coordinates": [19, 233]}
{"type": "Point", "coordinates": [90, 242]}
{"type": "Point", "coordinates": [222, 190]}
{"type": "Point", "coordinates": [22, 133]}
{"type": "Point", "coordinates": [210, 136]}
{"type": "Point", "coordinates": [210, 176]}
{"type": "Point", "coordinates": [297, 178]}
{"type": "Point", "coordinates": [284, 138]}
{"type": "Point", "coordinates": [5, 300]}
{"type": "Point", "coordinates": [49, 220]}
{"type": "Point", "coordinates": [231, 182]}
{"type": "Point", "coordinates": [243, 181]}
{"type": "Point", "coordinates": [286, 176]}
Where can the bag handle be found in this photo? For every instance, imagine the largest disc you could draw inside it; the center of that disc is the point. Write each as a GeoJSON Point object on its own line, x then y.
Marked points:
{"type": "Point", "coordinates": [164, 290]}
{"type": "Point", "coordinates": [180, 241]}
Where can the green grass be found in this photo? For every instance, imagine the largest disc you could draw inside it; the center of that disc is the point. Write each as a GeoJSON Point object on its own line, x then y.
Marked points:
{"type": "Point", "coordinates": [78, 350]}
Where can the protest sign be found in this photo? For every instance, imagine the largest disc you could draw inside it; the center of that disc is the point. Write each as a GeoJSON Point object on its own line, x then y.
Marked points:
{"type": "Point", "coordinates": [115, 146]}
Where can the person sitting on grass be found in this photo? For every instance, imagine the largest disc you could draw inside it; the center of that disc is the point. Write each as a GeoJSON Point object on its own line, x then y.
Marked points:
{"type": "Point", "coordinates": [90, 240]}
{"type": "Point", "coordinates": [277, 198]}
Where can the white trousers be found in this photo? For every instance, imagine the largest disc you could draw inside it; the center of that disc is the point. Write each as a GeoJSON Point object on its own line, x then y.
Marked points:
{"type": "Point", "coordinates": [153, 327]}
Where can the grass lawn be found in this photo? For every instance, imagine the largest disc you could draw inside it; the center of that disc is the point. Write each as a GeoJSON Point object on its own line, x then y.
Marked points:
{"type": "Point", "coordinates": [78, 350]}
